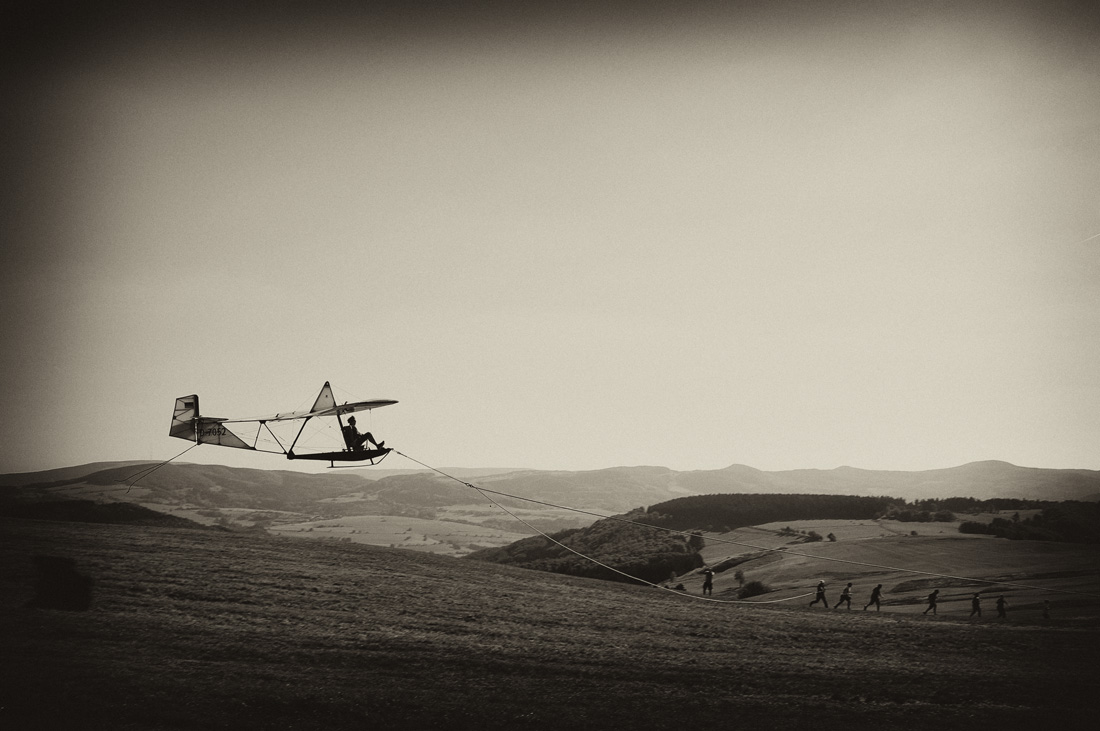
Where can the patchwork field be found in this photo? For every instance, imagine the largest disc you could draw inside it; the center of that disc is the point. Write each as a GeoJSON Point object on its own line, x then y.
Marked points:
{"type": "Point", "coordinates": [1026, 573]}
{"type": "Point", "coordinates": [434, 536]}
{"type": "Point", "coordinates": [453, 530]}
{"type": "Point", "coordinates": [194, 629]}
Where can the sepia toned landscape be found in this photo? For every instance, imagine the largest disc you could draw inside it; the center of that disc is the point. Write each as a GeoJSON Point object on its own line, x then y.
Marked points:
{"type": "Point", "coordinates": [550, 365]}
{"type": "Point", "coordinates": [232, 626]}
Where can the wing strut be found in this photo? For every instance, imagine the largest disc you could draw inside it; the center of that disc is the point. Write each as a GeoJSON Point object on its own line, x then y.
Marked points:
{"type": "Point", "coordinates": [302, 428]}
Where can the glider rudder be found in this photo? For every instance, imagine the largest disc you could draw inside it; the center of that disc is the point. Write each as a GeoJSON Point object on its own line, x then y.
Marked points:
{"type": "Point", "coordinates": [188, 424]}
{"type": "Point", "coordinates": [184, 416]}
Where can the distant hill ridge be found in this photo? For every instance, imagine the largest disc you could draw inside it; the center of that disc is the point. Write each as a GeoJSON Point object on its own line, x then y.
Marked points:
{"type": "Point", "coordinates": [617, 489]}
{"type": "Point", "coordinates": [88, 511]}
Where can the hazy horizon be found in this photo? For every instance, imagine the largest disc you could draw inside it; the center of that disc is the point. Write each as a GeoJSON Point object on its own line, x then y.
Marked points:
{"type": "Point", "coordinates": [788, 235]}
{"type": "Point", "coordinates": [276, 463]}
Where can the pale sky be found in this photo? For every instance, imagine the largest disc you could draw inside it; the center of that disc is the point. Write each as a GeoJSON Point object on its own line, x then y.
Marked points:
{"type": "Point", "coordinates": [759, 233]}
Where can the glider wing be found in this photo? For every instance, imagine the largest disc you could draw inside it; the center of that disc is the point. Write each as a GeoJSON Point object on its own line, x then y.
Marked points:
{"type": "Point", "coordinates": [325, 405]}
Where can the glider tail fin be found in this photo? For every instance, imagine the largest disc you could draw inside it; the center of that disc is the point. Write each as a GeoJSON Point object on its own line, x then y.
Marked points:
{"type": "Point", "coordinates": [187, 424]}
{"type": "Point", "coordinates": [184, 417]}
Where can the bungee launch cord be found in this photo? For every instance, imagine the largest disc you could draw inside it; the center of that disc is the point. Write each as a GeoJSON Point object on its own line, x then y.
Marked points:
{"type": "Point", "coordinates": [142, 474]}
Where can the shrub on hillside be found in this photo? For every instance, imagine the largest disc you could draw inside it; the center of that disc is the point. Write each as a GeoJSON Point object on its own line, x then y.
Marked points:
{"type": "Point", "coordinates": [753, 588]}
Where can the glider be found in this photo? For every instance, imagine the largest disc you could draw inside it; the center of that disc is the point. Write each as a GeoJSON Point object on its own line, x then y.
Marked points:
{"type": "Point", "coordinates": [188, 424]}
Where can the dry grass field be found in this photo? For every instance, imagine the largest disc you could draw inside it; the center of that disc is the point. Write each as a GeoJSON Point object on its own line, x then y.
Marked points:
{"type": "Point", "coordinates": [1026, 573]}
{"type": "Point", "coordinates": [197, 629]}
{"type": "Point", "coordinates": [453, 530]}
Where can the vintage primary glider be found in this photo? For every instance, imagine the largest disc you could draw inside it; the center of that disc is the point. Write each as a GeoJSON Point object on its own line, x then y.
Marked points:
{"type": "Point", "coordinates": [258, 435]}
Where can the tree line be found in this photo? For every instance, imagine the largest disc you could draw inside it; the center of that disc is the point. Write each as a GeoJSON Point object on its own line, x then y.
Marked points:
{"type": "Point", "coordinates": [1070, 521]}
{"type": "Point", "coordinates": [633, 548]}
{"type": "Point", "coordinates": [726, 512]}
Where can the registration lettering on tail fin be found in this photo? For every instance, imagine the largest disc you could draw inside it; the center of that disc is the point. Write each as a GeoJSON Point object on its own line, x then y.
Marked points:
{"type": "Point", "coordinates": [188, 424]}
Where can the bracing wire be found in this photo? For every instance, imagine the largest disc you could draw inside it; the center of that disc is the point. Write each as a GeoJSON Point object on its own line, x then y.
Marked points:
{"type": "Point", "coordinates": [485, 491]}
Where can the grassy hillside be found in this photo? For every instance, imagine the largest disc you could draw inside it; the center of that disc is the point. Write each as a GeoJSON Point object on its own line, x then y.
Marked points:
{"type": "Point", "coordinates": [88, 511]}
{"type": "Point", "coordinates": [434, 513]}
{"type": "Point", "coordinates": [1027, 573]}
{"type": "Point", "coordinates": [62, 474]}
{"type": "Point", "coordinates": [192, 629]}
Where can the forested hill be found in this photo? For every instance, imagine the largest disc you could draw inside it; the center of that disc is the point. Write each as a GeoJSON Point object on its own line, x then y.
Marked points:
{"type": "Point", "coordinates": [652, 554]}
{"type": "Point", "coordinates": [637, 550]}
{"type": "Point", "coordinates": [723, 513]}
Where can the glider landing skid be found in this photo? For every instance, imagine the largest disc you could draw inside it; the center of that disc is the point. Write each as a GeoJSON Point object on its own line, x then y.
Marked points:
{"type": "Point", "coordinates": [373, 456]}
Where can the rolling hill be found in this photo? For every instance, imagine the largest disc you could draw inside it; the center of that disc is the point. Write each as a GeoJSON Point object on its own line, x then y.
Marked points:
{"type": "Point", "coordinates": [445, 516]}
{"type": "Point", "coordinates": [206, 629]}
{"type": "Point", "coordinates": [614, 489]}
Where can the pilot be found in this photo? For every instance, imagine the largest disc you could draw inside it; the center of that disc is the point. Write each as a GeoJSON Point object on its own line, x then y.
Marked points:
{"type": "Point", "coordinates": [355, 440]}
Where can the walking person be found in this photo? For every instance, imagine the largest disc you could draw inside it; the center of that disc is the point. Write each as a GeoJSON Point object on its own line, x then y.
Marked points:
{"type": "Point", "coordinates": [845, 597]}
{"type": "Point", "coordinates": [876, 597]}
{"type": "Point", "coordinates": [1001, 606]}
{"type": "Point", "coordinates": [708, 582]}
{"type": "Point", "coordinates": [932, 601]}
{"type": "Point", "coordinates": [820, 595]}
{"type": "Point", "coordinates": [976, 606]}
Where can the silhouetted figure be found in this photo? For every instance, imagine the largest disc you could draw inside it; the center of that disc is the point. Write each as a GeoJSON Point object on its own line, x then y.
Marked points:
{"type": "Point", "coordinates": [355, 440]}
{"type": "Point", "coordinates": [976, 605]}
{"type": "Point", "coordinates": [708, 582]}
{"type": "Point", "coordinates": [876, 597]}
{"type": "Point", "coordinates": [845, 597]}
{"type": "Point", "coordinates": [1001, 605]}
{"type": "Point", "coordinates": [932, 601]}
{"type": "Point", "coordinates": [59, 585]}
{"type": "Point", "coordinates": [820, 595]}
